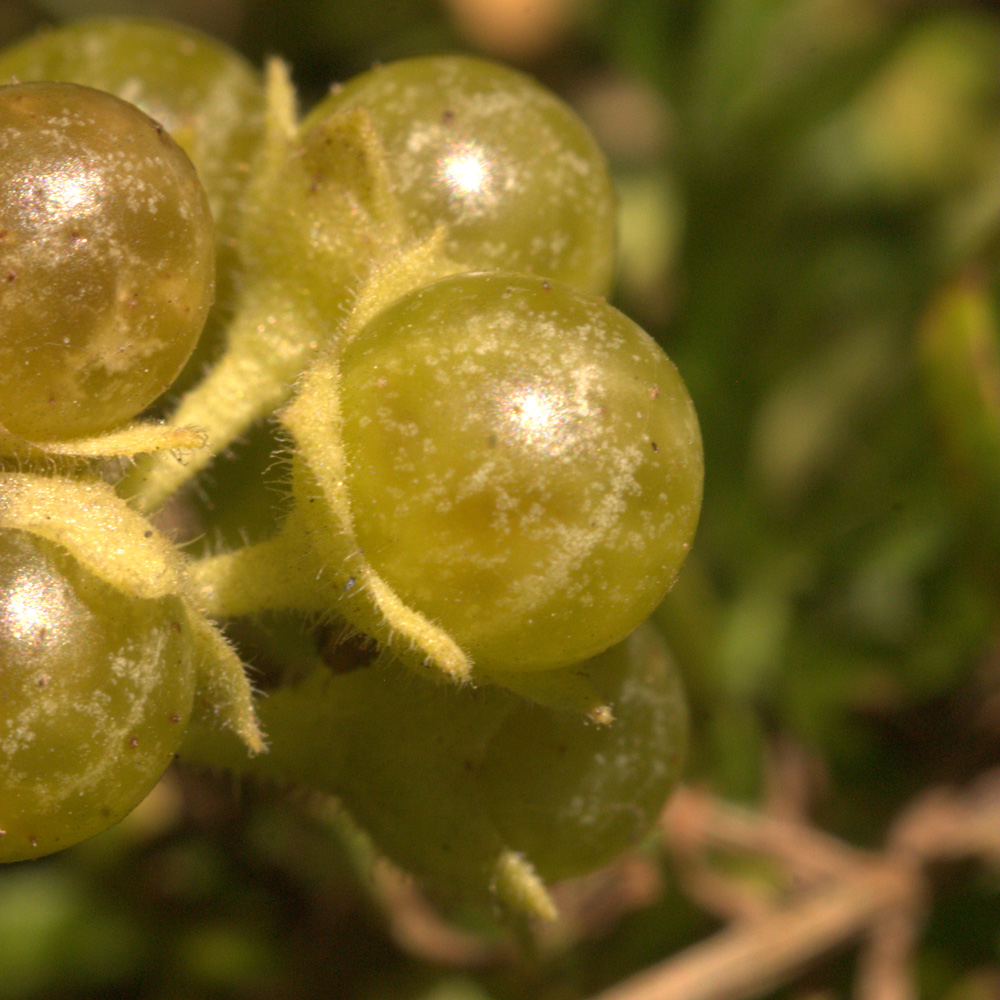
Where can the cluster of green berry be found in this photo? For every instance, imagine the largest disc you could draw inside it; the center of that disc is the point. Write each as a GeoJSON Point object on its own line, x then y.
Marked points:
{"type": "Point", "coordinates": [496, 475]}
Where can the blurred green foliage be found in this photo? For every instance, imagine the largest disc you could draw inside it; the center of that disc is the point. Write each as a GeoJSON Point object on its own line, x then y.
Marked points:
{"type": "Point", "coordinates": [811, 227]}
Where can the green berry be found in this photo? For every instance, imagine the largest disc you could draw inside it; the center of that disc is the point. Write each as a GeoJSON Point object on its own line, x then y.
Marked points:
{"type": "Point", "coordinates": [96, 688]}
{"type": "Point", "coordinates": [511, 172]}
{"type": "Point", "coordinates": [207, 96]}
{"type": "Point", "coordinates": [571, 795]}
{"type": "Point", "coordinates": [523, 466]}
{"type": "Point", "coordinates": [107, 260]}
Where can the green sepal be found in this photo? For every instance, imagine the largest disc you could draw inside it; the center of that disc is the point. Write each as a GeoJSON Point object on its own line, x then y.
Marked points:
{"type": "Point", "coordinates": [323, 521]}
{"type": "Point", "coordinates": [401, 755]}
{"type": "Point", "coordinates": [132, 439]}
{"type": "Point", "coordinates": [319, 211]}
{"type": "Point", "coordinates": [416, 264]}
{"type": "Point", "coordinates": [120, 547]}
{"type": "Point", "coordinates": [566, 689]}
{"type": "Point", "coordinates": [223, 694]}
{"type": "Point", "coordinates": [519, 887]}
{"type": "Point", "coordinates": [343, 154]}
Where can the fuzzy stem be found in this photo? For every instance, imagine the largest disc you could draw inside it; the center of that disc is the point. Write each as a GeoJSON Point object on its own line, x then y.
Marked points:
{"type": "Point", "coordinates": [400, 754]}
{"type": "Point", "coordinates": [279, 574]}
{"type": "Point", "coordinates": [271, 341]}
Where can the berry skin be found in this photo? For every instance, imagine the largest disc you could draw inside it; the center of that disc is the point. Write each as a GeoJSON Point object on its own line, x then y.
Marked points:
{"type": "Point", "coordinates": [514, 176]}
{"type": "Point", "coordinates": [206, 95]}
{"type": "Point", "coordinates": [96, 689]}
{"type": "Point", "coordinates": [523, 466]}
{"type": "Point", "coordinates": [571, 795]}
{"type": "Point", "coordinates": [107, 260]}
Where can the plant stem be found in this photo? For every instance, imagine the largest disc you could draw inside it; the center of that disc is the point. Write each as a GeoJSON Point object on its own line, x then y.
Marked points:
{"type": "Point", "coordinates": [749, 960]}
{"type": "Point", "coordinates": [271, 341]}
{"type": "Point", "coordinates": [279, 574]}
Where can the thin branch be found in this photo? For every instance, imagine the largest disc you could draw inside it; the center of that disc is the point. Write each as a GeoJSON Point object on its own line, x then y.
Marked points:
{"type": "Point", "coordinates": [884, 967]}
{"type": "Point", "coordinates": [944, 823]}
{"type": "Point", "coordinates": [694, 819]}
{"type": "Point", "coordinates": [849, 894]}
{"type": "Point", "coordinates": [590, 905]}
{"type": "Point", "coordinates": [418, 929]}
{"type": "Point", "coordinates": [749, 960]}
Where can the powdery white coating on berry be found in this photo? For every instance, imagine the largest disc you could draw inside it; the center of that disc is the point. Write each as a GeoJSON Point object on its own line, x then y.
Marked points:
{"type": "Point", "coordinates": [108, 260]}
{"type": "Point", "coordinates": [572, 795]}
{"type": "Point", "coordinates": [95, 691]}
{"type": "Point", "coordinates": [523, 466]}
{"type": "Point", "coordinates": [508, 168]}
{"type": "Point", "coordinates": [205, 95]}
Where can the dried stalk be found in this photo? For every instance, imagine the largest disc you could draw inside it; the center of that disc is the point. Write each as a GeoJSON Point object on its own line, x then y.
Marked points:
{"type": "Point", "coordinates": [848, 894]}
{"type": "Point", "coordinates": [749, 960]}
{"type": "Point", "coordinates": [834, 895]}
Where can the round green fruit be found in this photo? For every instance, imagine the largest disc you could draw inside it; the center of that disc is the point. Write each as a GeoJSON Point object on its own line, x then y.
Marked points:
{"type": "Point", "coordinates": [96, 689]}
{"type": "Point", "coordinates": [107, 260]}
{"type": "Point", "coordinates": [207, 96]}
{"type": "Point", "coordinates": [511, 172]}
{"type": "Point", "coordinates": [571, 795]}
{"type": "Point", "coordinates": [448, 780]}
{"type": "Point", "coordinates": [523, 465]}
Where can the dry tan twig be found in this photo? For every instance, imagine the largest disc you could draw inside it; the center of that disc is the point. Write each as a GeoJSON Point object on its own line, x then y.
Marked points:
{"type": "Point", "coordinates": [748, 960]}
{"type": "Point", "coordinates": [590, 905]}
{"type": "Point", "coordinates": [836, 894]}
{"type": "Point", "coordinates": [944, 823]}
{"type": "Point", "coordinates": [417, 928]}
{"type": "Point", "coordinates": [884, 966]}
{"type": "Point", "coordinates": [695, 819]}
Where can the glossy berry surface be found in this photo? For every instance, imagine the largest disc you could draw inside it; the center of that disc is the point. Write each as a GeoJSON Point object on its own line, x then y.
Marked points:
{"type": "Point", "coordinates": [571, 795]}
{"type": "Point", "coordinates": [446, 779]}
{"type": "Point", "coordinates": [95, 691]}
{"type": "Point", "coordinates": [208, 97]}
{"type": "Point", "coordinates": [107, 260]}
{"type": "Point", "coordinates": [524, 466]}
{"type": "Point", "coordinates": [510, 171]}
